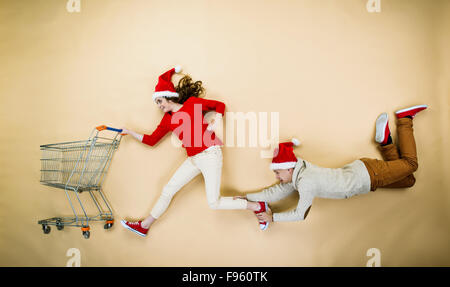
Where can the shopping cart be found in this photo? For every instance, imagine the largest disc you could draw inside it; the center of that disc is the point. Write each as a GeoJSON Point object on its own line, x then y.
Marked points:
{"type": "Point", "coordinates": [77, 167]}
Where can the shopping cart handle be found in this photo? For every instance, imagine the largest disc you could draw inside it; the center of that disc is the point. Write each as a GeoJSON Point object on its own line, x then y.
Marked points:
{"type": "Point", "coordinates": [102, 128]}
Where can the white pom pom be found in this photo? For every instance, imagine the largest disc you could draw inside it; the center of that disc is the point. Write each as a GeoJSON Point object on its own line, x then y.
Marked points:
{"type": "Point", "coordinates": [296, 142]}
{"type": "Point", "coordinates": [177, 69]}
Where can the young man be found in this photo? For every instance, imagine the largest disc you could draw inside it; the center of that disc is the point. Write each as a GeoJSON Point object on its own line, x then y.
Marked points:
{"type": "Point", "coordinates": [358, 177]}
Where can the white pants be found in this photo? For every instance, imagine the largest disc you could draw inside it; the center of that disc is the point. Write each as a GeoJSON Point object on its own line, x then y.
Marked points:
{"type": "Point", "coordinates": [209, 163]}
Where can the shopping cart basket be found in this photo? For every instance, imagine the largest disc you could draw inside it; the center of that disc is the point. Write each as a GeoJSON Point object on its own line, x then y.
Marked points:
{"type": "Point", "coordinates": [77, 167]}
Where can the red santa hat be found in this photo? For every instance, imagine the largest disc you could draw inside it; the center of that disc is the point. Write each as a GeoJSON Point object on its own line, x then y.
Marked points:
{"type": "Point", "coordinates": [165, 87]}
{"type": "Point", "coordinates": [284, 156]}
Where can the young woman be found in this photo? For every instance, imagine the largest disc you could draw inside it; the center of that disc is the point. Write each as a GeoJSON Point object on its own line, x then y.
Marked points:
{"type": "Point", "coordinates": [183, 115]}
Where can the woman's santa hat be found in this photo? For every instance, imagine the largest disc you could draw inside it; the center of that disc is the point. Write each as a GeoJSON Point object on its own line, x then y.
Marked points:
{"type": "Point", "coordinates": [284, 156]}
{"type": "Point", "coordinates": [165, 87]}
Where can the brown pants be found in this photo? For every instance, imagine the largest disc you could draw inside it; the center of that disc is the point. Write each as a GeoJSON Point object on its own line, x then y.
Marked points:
{"type": "Point", "coordinates": [396, 170]}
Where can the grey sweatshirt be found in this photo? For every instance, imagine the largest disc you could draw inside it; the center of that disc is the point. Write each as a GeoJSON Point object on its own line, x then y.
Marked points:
{"type": "Point", "coordinates": [313, 181]}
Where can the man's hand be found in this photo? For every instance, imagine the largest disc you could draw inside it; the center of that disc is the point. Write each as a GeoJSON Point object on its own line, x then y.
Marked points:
{"type": "Point", "coordinates": [265, 216]}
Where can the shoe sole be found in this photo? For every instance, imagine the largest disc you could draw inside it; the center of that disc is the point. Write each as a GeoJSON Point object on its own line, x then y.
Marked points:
{"type": "Point", "coordinates": [411, 108]}
{"type": "Point", "coordinates": [381, 123]}
{"type": "Point", "coordinates": [264, 227]}
{"type": "Point", "coordinates": [131, 229]}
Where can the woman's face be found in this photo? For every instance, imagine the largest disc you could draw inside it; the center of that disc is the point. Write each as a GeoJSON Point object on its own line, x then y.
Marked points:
{"type": "Point", "coordinates": [164, 104]}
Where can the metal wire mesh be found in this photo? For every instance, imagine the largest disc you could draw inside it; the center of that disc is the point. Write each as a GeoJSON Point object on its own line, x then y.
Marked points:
{"type": "Point", "coordinates": [76, 165]}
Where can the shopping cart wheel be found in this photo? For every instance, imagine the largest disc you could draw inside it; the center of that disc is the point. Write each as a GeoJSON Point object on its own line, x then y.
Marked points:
{"type": "Point", "coordinates": [86, 233]}
{"type": "Point", "coordinates": [59, 224]}
{"type": "Point", "coordinates": [109, 224]}
{"type": "Point", "coordinates": [46, 228]}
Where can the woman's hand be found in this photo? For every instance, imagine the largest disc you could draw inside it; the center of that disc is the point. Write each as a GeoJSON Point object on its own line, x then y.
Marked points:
{"type": "Point", "coordinates": [125, 131]}
{"type": "Point", "coordinates": [137, 136]}
{"type": "Point", "coordinates": [216, 122]}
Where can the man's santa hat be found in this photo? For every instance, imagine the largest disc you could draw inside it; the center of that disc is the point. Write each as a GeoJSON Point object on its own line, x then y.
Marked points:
{"type": "Point", "coordinates": [165, 87]}
{"type": "Point", "coordinates": [284, 156]}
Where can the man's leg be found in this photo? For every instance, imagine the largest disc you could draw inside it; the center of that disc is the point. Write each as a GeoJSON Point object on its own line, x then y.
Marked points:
{"type": "Point", "coordinates": [388, 173]}
{"type": "Point", "coordinates": [390, 152]}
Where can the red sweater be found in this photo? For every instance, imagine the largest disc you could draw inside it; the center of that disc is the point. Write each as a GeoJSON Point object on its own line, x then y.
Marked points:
{"type": "Point", "coordinates": [189, 125]}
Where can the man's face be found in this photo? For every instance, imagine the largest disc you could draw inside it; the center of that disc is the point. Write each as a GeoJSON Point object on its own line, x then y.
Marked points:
{"type": "Point", "coordinates": [284, 175]}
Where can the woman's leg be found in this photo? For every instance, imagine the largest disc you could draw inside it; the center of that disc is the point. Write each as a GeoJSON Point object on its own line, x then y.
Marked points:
{"type": "Point", "coordinates": [185, 173]}
{"type": "Point", "coordinates": [387, 173]}
{"type": "Point", "coordinates": [210, 164]}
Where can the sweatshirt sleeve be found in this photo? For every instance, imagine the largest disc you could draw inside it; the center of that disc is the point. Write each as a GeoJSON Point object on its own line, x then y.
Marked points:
{"type": "Point", "coordinates": [211, 105]}
{"type": "Point", "coordinates": [273, 193]}
{"type": "Point", "coordinates": [157, 134]}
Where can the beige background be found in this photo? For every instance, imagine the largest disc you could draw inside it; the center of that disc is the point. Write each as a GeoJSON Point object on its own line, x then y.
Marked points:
{"type": "Point", "coordinates": [328, 67]}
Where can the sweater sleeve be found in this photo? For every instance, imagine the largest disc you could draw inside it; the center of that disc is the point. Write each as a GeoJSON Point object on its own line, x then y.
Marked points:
{"type": "Point", "coordinates": [273, 193]}
{"type": "Point", "coordinates": [157, 134]}
{"type": "Point", "coordinates": [298, 213]}
{"type": "Point", "coordinates": [304, 202]}
{"type": "Point", "coordinates": [210, 105]}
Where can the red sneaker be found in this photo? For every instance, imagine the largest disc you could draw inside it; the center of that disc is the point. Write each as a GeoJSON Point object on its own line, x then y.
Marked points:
{"type": "Point", "coordinates": [263, 208]}
{"type": "Point", "coordinates": [412, 111]}
{"type": "Point", "coordinates": [382, 129]}
{"type": "Point", "coordinates": [135, 227]}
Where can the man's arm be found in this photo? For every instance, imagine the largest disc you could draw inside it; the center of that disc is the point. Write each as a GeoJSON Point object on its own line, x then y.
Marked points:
{"type": "Point", "coordinates": [268, 215]}
{"type": "Point", "coordinates": [299, 213]}
{"type": "Point", "coordinates": [273, 193]}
